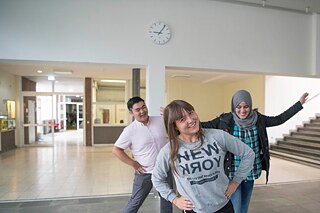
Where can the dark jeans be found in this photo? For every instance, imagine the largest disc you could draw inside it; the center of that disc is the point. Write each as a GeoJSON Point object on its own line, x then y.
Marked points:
{"type": "Point", "coordinates": [142, 186]}
{"type": "Point", "coordinates": [228, 208]}
{"type": "Point", "coordinates": [241, 197]}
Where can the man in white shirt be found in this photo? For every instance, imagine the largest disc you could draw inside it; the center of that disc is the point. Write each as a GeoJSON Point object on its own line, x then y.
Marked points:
{"type": "Point", "coordinates": [145, 136]}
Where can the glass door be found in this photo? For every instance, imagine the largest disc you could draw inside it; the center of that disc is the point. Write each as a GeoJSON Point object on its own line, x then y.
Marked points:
{"type": "Point", "coordinates": [38, 119]}
{"type": "Point", "coordinates": [79, 116]}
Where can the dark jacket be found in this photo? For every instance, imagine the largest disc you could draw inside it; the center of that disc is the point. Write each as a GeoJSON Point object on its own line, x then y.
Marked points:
{"type": "Point", "coordinates": [225, 122]}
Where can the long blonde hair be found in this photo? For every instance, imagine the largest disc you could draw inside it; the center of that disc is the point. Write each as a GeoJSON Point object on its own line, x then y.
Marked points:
{"type": "Point", "coordinates": [172, 113]}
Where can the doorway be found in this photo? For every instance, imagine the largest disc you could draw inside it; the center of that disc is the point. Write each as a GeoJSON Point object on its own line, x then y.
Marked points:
{"type": "Point", "coordinates": [48, 112]}
{"type": "Point", "coordinates": [70, 112]}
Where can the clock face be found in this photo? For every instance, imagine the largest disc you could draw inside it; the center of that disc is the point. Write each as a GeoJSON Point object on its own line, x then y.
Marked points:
{"type": "Point", "coordinates": [159, 33]}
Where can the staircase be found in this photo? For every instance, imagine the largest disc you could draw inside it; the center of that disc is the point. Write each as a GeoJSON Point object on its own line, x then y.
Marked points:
{"type": "Point", "coordinates": [301, 146]}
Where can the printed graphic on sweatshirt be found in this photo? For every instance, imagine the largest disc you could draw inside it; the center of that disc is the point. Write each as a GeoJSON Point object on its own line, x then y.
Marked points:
{"type": "Point", "coordinates": [203, 178]}
{"type": "Point", "coordinates": [200, 161]}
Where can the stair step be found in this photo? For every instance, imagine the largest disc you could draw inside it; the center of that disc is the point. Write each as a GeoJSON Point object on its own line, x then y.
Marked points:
{"type": "Point", "coordinates": [305, 152]}
{"type": "Point", "coordinates": [316, 119]}
{"type": "Point", "coordinates": [303, 138]}
{"type": "Point", "coordinates": [315, 122]}
{"type": "Point", "coordinates": [298, 143]}
{"type": "Point", "coordinates": [298, 149]}
{"type": "Point", "coordinates": [309, 128]}
{"type": "Point", "coordinates": [295, 158]}
{"type": "Point", "coordinates": [306, 132]}
{"type": "Point", "coordinates": [316, 125]}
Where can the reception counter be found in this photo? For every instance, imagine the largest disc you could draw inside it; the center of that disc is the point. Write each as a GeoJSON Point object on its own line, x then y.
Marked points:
{"type": "Point", "coordinates": [106, 133]}
{"type": "Point", "coordinates": [7, 140]}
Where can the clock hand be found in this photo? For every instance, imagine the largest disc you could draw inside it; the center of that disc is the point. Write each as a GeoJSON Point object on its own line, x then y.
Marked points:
{"type": "Point", "coordinates": [161, 30]}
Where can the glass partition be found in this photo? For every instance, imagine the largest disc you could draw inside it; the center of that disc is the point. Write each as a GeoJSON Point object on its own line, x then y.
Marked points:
{"type": "Point", "coordinates": [109, 102]}
{"type": "Point", "coordinates": [7, 120]}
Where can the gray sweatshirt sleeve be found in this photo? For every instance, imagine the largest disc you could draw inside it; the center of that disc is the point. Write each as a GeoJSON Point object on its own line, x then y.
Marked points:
{"type": "Point", "coordinates": [237, 147]}
{"type": "Point", "coordinates": [159, 174]}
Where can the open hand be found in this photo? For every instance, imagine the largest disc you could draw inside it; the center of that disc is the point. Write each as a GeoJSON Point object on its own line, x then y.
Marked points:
{"type": "Point", "coordinates": [138, 168]}
{"type": "Point", "coordinates": [304, 98]}
{"type": "Point", "coordinates": [232, 187]}
{"type": "Point", "coordinates": [183, 203]}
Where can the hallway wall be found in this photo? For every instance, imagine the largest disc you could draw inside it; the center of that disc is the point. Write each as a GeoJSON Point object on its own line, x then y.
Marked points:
{"type": "Point", "coordinates": [8, 84]}
{"type": "Point", "coordinates": [205, 34]}
{"type": "Point", "coordinates": [212, 99]}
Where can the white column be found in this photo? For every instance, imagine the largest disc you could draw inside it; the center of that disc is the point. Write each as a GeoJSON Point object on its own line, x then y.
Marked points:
{"type": "Point", "coordinates": [155, 88]}
{"type": "Point", "coordinates": [315, 45]}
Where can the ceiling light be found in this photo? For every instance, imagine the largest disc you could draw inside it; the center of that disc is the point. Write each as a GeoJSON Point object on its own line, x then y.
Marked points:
{"type": "Point", "coordinates": [114, 81]}
{"type": "Point", "coordinates": [63, 72]}
{"type": "Point", "coordinates": [39, 71]}
{"type": "Point", "coordinates": [181, 76]}
{"type": "Point", "coordinates": [51, 77]}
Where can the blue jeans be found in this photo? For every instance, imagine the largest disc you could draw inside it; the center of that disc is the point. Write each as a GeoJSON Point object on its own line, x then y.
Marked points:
{"type": "Point", "coordinates": [241, 197]}
{"type": "Point", "coordinates": [142, 186]}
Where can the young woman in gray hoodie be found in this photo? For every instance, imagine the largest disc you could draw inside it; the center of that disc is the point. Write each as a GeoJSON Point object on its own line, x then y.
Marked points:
{"type": "Point", "coordinates": [195, 156]}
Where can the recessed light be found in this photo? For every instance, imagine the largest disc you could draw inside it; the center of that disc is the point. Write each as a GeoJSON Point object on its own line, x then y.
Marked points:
{"type": "Point", "coordinates": [63, 72]}
{"type": "Point", "coordinates": [39, 71]}
{"type": "Point", "coordinates": [181, 76]}
{"type": "Point", "coordinates": [114, 81]}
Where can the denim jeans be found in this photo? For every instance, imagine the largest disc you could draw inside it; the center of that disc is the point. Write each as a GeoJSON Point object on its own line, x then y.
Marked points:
{"type": "Point", "coordinates": [142, 186]}
{"type": "Point", "coordinates": [228, 208]}
{"type": "Point", "coordinates": [241, 197]}
{"type": "Point", "coordinates": [166, 206]}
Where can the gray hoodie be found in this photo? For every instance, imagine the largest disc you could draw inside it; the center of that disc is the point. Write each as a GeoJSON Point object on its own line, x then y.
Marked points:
{"type": "Point", "coordinates": [201, 176]}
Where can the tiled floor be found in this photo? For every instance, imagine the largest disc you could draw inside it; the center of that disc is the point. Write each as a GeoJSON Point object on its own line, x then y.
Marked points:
{"type": "Point", "coordinates": [71, 170]}
{"type": "Point", "coordinates": [275, 198]}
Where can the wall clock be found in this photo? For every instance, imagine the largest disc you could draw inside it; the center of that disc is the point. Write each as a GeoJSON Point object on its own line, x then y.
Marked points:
{"type": "Point", "coordinates": [159, 33]}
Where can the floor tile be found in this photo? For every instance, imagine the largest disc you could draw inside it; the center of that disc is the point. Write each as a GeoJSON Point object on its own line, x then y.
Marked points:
{"type": "Point", "coordinates": [70, 171]}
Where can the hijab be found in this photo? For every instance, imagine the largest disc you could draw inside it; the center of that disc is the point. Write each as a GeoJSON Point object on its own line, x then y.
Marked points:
{"type": "Point", "coordinates": [237, 98]}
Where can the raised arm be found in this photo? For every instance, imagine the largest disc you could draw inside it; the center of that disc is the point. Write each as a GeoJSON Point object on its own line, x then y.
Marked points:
{"type": "Point", "coordinates": [286, 115]}
{"type": "Point", "coordinates": [213, 124]}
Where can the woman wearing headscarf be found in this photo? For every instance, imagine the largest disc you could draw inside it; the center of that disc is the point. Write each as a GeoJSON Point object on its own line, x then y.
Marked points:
{"type": "Point", "coordinates": [195, 157]}
{"type": "Point", "coordinates": [250, 127]}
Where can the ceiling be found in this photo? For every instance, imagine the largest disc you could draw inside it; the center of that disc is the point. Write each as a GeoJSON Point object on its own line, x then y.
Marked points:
{"type": "Point", "coordinates": [106, 71]}
{"type": "Point", "coordinates": [124, 72]}
{"type": "Point", "coordinates": [301, 6]}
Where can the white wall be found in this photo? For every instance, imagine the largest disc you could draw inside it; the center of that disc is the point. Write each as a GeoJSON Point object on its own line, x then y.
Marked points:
{"type": "Point", "coordinates": [206, 34]}
{"type": "Point", "coordinates": [283, 92]}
